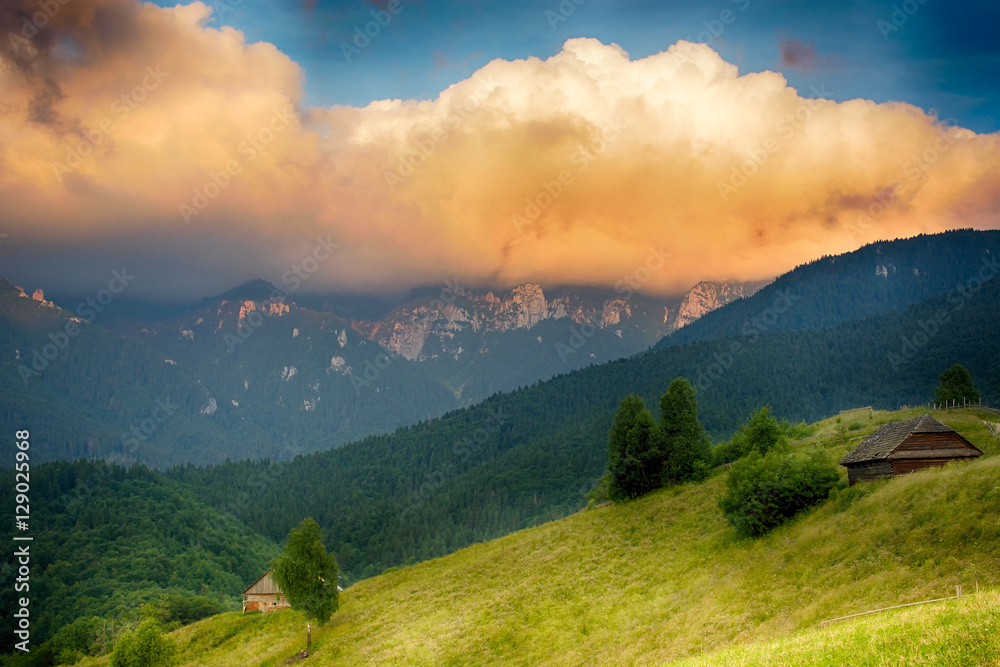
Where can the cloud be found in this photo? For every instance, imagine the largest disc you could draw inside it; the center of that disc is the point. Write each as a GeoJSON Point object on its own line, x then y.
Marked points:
{"type": "Point", "coordinates": [798, 54]}
{"type": "Point", "coordinates": [564, 171]}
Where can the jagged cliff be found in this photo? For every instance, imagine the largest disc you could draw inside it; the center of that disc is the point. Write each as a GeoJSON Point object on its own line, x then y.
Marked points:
{"type": "Point", "coordinates": [707, 296]}
{"type": "Point", "coordinates": [434, 327]}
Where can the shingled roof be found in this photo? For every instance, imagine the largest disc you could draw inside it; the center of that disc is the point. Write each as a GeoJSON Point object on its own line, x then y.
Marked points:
{"type": "Point", "coordinates": [883, 442]}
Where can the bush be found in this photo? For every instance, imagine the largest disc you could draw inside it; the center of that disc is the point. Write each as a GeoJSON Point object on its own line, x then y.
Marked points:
{"type": "Point", "coordinates": [796, 431]}
{"type": "Point", "coordinates": [599, 494]}
{"type": "Point", "coordinates": [765, 491]}
{"type": "Point", "coordinates": [727, 452]}
{"type": "Point", "coordinates": [143, 647]}
{"type": "Point", "coordinates": [188, 610]}
{"type": "Point", "coordinates": [760, 434]}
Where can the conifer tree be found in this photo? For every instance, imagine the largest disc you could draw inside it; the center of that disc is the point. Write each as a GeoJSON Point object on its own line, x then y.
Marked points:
{"type": "Point", "coordinates": [686, 446]}
{"type": "Point", "coordinates": [634, 451]}
{"type": "Point", "coordinates": [956, 385]}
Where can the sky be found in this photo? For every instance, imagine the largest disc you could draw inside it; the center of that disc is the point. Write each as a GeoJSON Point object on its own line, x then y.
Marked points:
{"type": "Point", "coordinates": [373, 147]}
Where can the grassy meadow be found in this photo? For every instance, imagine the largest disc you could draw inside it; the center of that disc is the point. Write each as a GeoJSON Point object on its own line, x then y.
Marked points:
{"type": "Point", "coordinates": [664, 578]}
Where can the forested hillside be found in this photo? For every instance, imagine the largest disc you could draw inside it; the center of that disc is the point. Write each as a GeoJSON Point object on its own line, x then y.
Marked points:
{"type": "Point", "coordinates": [91, 394]}
{"type": "Point", "coordinates": [877, 278]}
{"type": "Point", "coordinates": [108, 539]}
{"type": "Point", "coordinates": [529, 456]}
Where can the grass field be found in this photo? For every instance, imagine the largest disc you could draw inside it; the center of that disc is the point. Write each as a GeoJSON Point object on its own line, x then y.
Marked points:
{"type": "Point", "coordinates": [951, 634]}
{"type": "Point", "coordinates": [664, 579]}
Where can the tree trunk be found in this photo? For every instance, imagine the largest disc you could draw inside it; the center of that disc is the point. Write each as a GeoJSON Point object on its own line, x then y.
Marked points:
{"type": "Point", "coordinates": [309, 636]}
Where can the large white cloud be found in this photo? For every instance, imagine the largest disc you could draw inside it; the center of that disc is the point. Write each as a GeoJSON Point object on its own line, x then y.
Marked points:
{"type": "Point", "coordinates": [565, 170]}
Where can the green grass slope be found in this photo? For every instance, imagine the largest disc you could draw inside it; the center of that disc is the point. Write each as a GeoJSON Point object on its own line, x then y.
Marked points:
{"type": "Point", "coordinates": [663, 578]}
{"type": "Point", "coordinates": [950, 634]}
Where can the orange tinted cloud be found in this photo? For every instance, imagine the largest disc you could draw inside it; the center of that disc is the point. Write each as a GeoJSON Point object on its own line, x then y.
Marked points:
{"type": "Point", "coordinates": [125, 119]}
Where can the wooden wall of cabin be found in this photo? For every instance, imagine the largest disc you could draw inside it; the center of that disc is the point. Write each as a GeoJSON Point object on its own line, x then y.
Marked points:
{"type": "Point", "coordinates": [904, 466]}
{"type": "Point", "coordinates": [859, 472]}
{"type": "Point", "coordinates": [264, 603]}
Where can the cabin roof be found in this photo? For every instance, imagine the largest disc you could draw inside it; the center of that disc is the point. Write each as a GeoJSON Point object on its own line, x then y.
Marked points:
{"type": "Point", "coordinates": [263, 586]}
{"type": "Point", "coordinates": [883, 442]}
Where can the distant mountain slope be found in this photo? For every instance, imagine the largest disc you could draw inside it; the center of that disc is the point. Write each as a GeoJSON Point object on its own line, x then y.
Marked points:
{"type": "Point", "coordinates": [531, 455]}
{"type": "Point", "coordinates": [251, 374]}
{"type": "Point", "coordinates": [87, 393]}
{"type": "Point", "coordinates": [880, 277]}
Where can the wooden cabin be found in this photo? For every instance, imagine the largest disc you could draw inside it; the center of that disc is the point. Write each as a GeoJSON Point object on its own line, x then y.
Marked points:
{"type": "Point", "coordinates": [903, 447]}
{"type": "Point", "coordinates": [264, 596]}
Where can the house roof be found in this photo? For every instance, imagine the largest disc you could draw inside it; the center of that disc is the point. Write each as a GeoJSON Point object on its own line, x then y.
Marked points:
{"type": "Point", "coordinates": [263, 586]}
{"type": "Point", "coordinates": [883, 442]}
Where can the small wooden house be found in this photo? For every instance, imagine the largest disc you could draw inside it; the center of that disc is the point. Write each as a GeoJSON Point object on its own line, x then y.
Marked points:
{"type": "Point", "coordinates": [903, 447]}
{"type": "Point", "coordinates": [264, 596]}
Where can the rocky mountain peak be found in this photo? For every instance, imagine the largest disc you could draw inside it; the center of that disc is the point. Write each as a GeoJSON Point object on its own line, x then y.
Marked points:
{"type": "Point", "coordinates": [708, 296]}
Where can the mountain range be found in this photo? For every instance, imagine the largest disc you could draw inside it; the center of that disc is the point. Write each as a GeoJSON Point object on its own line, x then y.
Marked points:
{"type": "Point", "coordinates": [251, 373]}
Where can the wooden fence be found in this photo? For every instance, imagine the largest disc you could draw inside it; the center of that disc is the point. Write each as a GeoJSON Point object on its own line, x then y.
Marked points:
{"type": "Point", "coordinates": [958, 594]}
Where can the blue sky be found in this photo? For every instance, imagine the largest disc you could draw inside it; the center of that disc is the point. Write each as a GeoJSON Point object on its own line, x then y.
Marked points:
{"type": "Point", "coordinates": [943, 56]}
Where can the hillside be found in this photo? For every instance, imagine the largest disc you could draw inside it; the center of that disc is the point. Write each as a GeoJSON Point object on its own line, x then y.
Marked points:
{"type": "Point", "coordinates": [108, 539]}
{"type": "Point", "coordinates": [953, 634]}
{"type": "Point", "coordinates": [664, 578]}
{"type": "Point", "coordinates": [91, 394]}
{"type": "Point", "coordinates": [530, 456]}
{"type": "Point", "coordinates": [880, 277]}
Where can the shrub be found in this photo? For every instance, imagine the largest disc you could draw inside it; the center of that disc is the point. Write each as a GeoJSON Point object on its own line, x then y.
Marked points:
{"type": "Point", "coordinates": [760, 434]}
{"type": "Point", "coordinates": [599, 494]}
{"type": "Point", "coordinates": [765, 491]}
{"type": "Point", "coordinates": [727, 452]}
{"type": "Point", "coordinates": [143, 647]}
